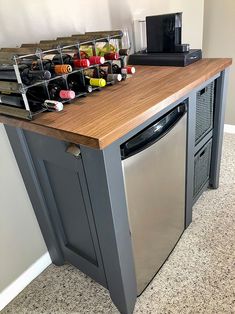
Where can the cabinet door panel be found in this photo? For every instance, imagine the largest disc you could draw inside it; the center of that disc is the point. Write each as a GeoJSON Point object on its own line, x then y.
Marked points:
{"type": "Point", "coordinates": [62, 179]}
{"type": "Point", "coordinates": [67, 191]}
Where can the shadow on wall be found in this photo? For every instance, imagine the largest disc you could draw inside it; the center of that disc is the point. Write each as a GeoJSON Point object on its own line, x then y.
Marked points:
{"type": "Point", "coordinates": [121, 17]}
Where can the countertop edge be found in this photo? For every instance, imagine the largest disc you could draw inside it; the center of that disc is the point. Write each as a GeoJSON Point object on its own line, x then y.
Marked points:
{"type": "Point", "coordinates": [102, 142]}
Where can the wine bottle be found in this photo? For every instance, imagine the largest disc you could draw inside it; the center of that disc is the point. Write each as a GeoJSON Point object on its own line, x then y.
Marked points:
{"type": "Point", "coordinates": [111, 56]}
{"type": "Point", "coordinates": [130, 69]}
{"type": "Point", "coordinates": [95, 81]}
{"type": "Point", "coordinates": [81, 63]}
{"type": "Point", "coordinates": [92, 78]}
{"type": "Point", "coordinates": [72, 59]}
{"type": "Point", "coordinates": [53, 105]}
{"type": "Point", "coordinates": [17, 101]}
{"type": "Point", "coordinates": [123, 52]}
{"type": "Point", "coordinates": [57, 69]}
{"type": "Point", "coordinates": [96, 60]}
{"type": "Point", "coordinates": [12, 100]}
{"type": "Point", "coordinates": [28, 76]}
{"type": "Point", "coordinates": [55, 91]}
{"type": "Point", "coordinates": [78, 84]}
{"type": "Point", "coordinates": [110, 77]}
{"type": "Point", "coordinates": [116, 69]}
{"type": "Point", "coordinates": [87, 53]}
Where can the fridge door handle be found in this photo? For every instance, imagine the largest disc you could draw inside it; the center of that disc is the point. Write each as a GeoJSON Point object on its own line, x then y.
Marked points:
{"type": "Point", "coordinates": [153, 133]}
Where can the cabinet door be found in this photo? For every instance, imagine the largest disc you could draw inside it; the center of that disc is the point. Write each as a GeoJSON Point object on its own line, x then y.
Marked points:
{"type": "Point", "coordinates": [62, 180]}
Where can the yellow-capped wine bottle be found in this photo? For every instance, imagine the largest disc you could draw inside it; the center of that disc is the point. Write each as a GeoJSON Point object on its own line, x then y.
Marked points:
{"type": "Point", "coordinates": [95, 81]}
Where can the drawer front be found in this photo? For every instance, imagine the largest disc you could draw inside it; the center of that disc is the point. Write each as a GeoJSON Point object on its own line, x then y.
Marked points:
{"type": "Point", "coordinates": [202, 161]}
{"type": "Point", "coordinates": [204, 111]}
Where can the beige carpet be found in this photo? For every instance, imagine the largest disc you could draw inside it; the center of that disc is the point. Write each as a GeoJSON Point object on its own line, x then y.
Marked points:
{"type": "Point", "coordinates": [199, 276]}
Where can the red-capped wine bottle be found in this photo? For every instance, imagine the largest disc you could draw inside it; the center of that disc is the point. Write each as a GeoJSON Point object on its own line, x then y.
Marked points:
{"type": "Point", "coordinates": [96, 60]}
{"type": "Point", "coordinates": [130, 69]}
{"type": "Point", "coordinates": [111, 56]}
{"type": "Point", "coordinates": [81, 63]}
{"type": "Point", "coordinates": [71, 59]}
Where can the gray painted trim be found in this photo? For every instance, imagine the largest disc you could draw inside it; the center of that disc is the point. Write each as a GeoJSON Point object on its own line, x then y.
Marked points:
{"type": "Point", "coordinates": [203, 141]}
{"type": "Point", "coordinates": [25, 163]}
{"type": "Point", "coordinates": [190, 158]}
{"type": "Point", "coordinates": [106, 189]}
{"type": "Point", "coordinates": [218, 131]}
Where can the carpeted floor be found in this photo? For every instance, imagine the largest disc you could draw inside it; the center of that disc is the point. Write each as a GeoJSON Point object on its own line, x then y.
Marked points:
{"type": "Point", "coordinates": [199, 276]}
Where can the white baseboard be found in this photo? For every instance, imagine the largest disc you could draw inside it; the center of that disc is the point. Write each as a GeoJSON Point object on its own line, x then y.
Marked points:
{"type": "Point", "coordinates": [9, 293]}
{"type": "Point", "coordinates": [228, 128]}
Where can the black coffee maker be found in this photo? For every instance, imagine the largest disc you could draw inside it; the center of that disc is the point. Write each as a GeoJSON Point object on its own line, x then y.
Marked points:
{"type": "Point", "coordinates": [164, 33]}
{"type": "Point", "coordinates": [164, 45]}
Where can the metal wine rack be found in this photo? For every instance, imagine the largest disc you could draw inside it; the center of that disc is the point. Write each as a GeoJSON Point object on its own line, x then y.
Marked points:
{"type": "Point", "coordinates": [59, 46]}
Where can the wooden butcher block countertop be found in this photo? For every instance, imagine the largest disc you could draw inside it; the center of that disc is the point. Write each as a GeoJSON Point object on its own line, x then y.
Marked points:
{"type": "Point", "coordinates": [103, 117]}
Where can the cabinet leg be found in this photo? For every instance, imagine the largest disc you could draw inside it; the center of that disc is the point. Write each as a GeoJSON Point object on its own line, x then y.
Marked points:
{"type": "Point", "coordinates": [103, 172]}
{"type": "Point", "coordinates": [219, 113]}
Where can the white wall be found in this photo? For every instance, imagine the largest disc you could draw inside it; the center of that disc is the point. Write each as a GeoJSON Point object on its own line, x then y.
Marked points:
{"type": "Point", "coordinates": [24, 21]}
{"type": "Point", "coordinates": [21, 242]}
{"type": "Point", "coordinates": [123, 12]}
{"type": "Point", "coordinates": [218, 41]}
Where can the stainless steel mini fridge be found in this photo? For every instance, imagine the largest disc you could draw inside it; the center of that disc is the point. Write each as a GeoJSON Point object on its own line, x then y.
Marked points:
{"type": "Point", "coordinates": [154, 163]}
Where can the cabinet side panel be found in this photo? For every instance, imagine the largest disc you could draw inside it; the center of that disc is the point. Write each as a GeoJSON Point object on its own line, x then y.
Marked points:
{"type": "Point", "coordinates": [63, 185]}
{"type": "Point", "coordinates": [27, 169]}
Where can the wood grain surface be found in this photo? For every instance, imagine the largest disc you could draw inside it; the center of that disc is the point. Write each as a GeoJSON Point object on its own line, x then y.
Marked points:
{"type": "Point", "coordinates": [105, 116]}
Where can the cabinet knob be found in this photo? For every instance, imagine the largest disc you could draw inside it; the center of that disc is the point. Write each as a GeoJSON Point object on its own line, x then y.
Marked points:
{"type": "Point", "coordinates": [74, 150]}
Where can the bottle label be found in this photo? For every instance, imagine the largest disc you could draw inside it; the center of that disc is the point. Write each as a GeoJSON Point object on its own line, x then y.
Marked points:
{"type": "Point", "coordinates": [48, 57]}
{"type": "Point", "coordinates": [89, 72]}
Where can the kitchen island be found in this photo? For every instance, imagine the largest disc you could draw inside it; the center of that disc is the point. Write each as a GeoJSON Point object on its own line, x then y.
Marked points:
{"type": "Point", "coordinates": [71, 164]}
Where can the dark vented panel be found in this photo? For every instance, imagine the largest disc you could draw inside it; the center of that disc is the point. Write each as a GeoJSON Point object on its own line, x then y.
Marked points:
{"type": "Point", "coordinates": [204, 111]}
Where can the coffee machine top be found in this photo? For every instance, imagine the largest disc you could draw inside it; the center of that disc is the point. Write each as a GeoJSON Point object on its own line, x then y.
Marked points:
{"type": "Point", "coordinates": [164, 33]}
